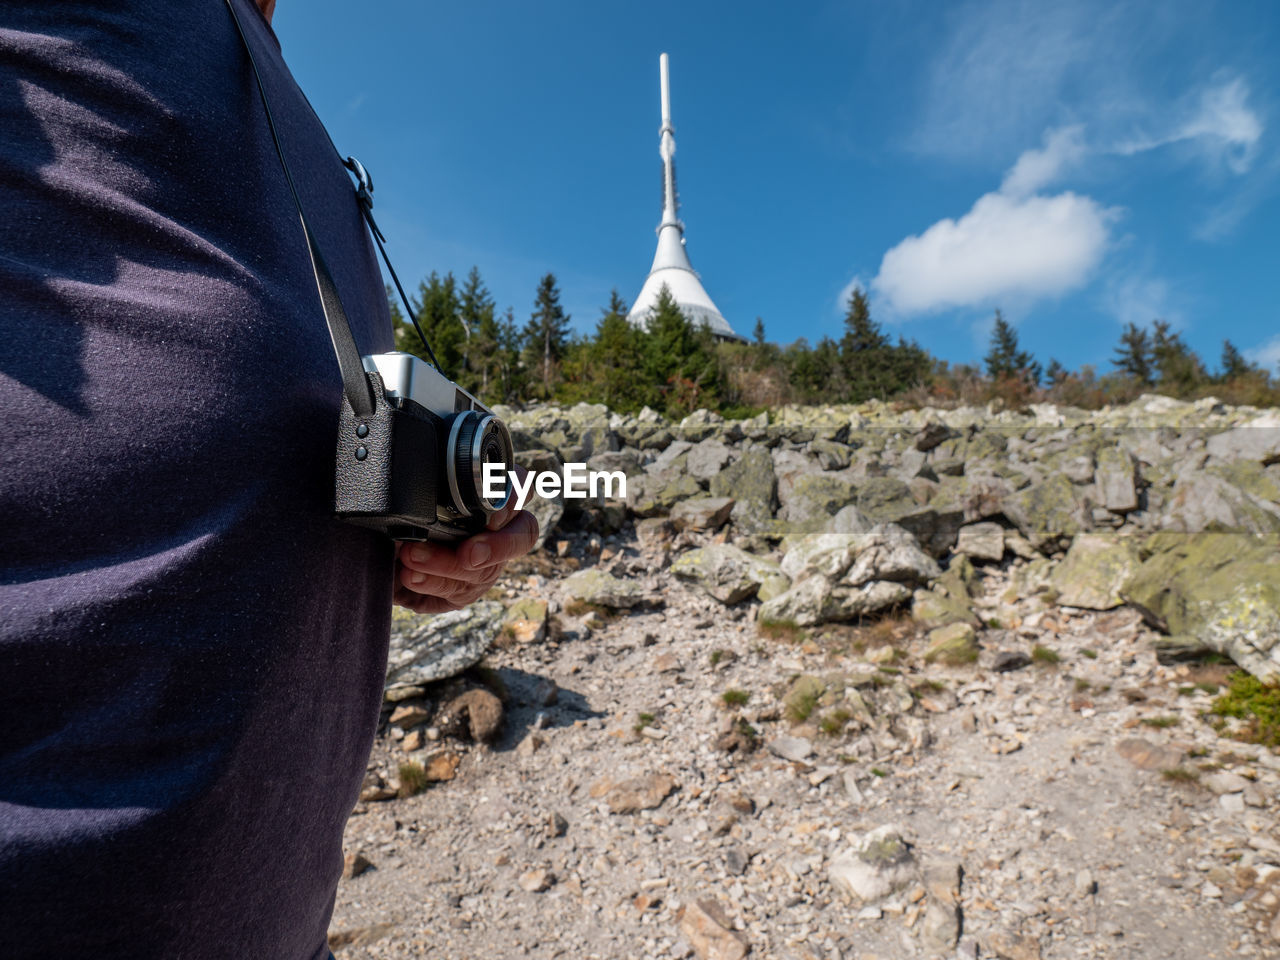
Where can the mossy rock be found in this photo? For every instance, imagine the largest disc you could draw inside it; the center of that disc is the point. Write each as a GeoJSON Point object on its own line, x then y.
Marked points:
{"type": "Point", "coordinates": [954, 645]}
{"type": "Point", "coordinates": [1094, 571]}
{"type": "Point", "coordinates": [1222, 588]}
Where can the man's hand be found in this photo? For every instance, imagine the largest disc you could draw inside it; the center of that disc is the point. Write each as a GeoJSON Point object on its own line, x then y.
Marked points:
{"type": "Point", "coordinates": [434, 577]}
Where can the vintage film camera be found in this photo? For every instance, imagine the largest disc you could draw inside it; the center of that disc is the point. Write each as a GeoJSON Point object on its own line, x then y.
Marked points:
{"type": "Point", "coordinates": [415, 467]}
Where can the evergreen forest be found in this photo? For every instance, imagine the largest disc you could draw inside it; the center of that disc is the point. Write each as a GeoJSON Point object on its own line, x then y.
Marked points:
{"type": "Point", "coordinates": [676, 367]}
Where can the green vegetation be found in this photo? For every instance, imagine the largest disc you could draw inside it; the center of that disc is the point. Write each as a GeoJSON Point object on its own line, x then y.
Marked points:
{"type": "Point", "coordinates": [734, 697]}
{"type": "Point", "coordinates": [675, 366]}
{"type": "Point", "coordinates": [781, 630]}
{"type": "Point", "coordinates": [716, 656]}
{"type": "Point", "coordinates": [1160, 723]}
{"type": "Point", "coordinates": [413, 779]}
{"type": "Point", "coordinates": [1045, 655]}
{"type": "Point", "coordinates": [877, 772]}
{"type": "Point", "coordinates": [1091, 654]}
{"type": "Point", "coordinates": [1082, 685]}
{"type": "Point", "coordinates": [801, 704]}
{"type": "Point", "coordinates": [1180, 775]}
{"type": "Point", "coordinates": [643, 720]}
{"type": "Point", "coordinates": [1256, 703]}
{"type": "Point", "coordinates": [833, 723]}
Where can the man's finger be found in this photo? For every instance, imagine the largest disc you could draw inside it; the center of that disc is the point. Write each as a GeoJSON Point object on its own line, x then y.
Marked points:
{"type": "Point", "coordinates": [514, 540]}
{"type": "Point", "coordinates": [502, 517]}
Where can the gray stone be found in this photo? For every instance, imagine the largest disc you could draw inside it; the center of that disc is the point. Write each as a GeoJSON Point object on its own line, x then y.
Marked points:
{"type": "Point", "coordinates": [707, 459]}
{"type": "Point", "coordinates": [702, 513]}
{"type": "Point", "coordinates": [1048, 514]}
{"type": "Point", "coordinates": [425, 648]}
{"type": "Point", "coordinates": [878, 864]}
{"type": "Point", "coordinates": [750, 480]}
{"type": "Point", "coordinates": [981, 541]}
{"type": "Point", "coordinates": [1115, 480]}
{"type": "Point", "coordinates": [726, 572]}
{"type": "Point", "coordinates": [594, 586]}
{"type": "Point", "coordinates": [1095, 570]}
{"type": "Point", "coordinates": [1258, 440]}
{"type": "Point", "coordinates": [1221, 588]}
{"type": "Point", "coordinates": [797, 749]}
{"type": "Point", "coordinates": [1204, 502]}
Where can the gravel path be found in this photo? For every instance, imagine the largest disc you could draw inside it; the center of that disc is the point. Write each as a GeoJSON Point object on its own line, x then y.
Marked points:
{"type": "Point", "coordinates": [1086, 806]}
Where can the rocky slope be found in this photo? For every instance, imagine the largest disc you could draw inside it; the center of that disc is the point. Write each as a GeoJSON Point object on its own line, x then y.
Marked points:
{"type": "Point", "coordinates": [846, 682]}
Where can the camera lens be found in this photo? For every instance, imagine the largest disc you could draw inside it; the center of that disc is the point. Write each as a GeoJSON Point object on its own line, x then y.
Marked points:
{"type": "Point", "coordinates": [475, 440]}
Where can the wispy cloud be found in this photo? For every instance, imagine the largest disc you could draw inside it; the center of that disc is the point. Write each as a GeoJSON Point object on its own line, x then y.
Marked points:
{"type": "Point", "coordinates": [1140, 298]}
{"type": "Point", "coordinates": [1220, 122]}
{"type": "Point", "coordinates": [999, 75]}
{"type": "Point", "coordinates": [1013, 242]}
{"type": "Point", "coordinates": [1266, 355]}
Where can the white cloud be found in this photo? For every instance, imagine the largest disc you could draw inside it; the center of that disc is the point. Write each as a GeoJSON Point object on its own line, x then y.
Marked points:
{"type": "Point", "coordinates": [1063, 148]}
{"type": "Point", "coordinates": [1013, 243]}
{"type": "Point", "coordinates": [1140, 299]}
{"type": "Point", "coordinates": [1266, 355]}
{"type": "Point", "coordinates": [1220, 123]}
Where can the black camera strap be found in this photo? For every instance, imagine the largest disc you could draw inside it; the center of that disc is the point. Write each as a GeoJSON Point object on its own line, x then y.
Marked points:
{"type": "Point", "coordinates": [354, 382]}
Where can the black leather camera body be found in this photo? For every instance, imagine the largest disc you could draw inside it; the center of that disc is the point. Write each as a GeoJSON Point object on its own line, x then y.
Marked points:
{"type": "Point", "coordinates": [414, 468]}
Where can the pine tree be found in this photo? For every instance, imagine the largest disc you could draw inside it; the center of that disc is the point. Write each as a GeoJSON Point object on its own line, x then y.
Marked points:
{"type": "Point", "coordinates": [616, 360]}
{"type": "Point", "coordinates": [547, 332]}
{"type": "Point", "coordinates": [1234, 364]}
{"type": "Point", "coordinates": [1056, 373]}
{"type": "Point", "coordinates": [510, 370]}
{"type": "Point", "coordinates": [1180, 370]}
{"type": "Point", "coordinates": [758, 333]}
{"type": "Point", "coordinates": [867, 359]}
{"type": "Point", "coordinates": [679, 359]}
{"type": "Point", "coordinates": [1005, 360]}
{"type": "Point", "coordinates": [1133, 356]}
{"type": "Point", "coordinates": [441, 325]}
{"type": "Point", "coordinates": [475, 307]}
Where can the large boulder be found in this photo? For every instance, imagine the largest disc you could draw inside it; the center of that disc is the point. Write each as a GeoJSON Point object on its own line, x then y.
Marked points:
{"type": "Point", "coordinates": [1094, 571]}
{"type": "Point", "coordinates": [425, 648]}
{"type": "Point", "coordinates": [726, 572]}
{"type": "Point", "coordinates": [1116, 479]}
{"type": "Point", "coordinates": [595, 587]}
{"type": "Point", "coordinates": [1221, 588]}
{"type": "Point", "coordinates": [1048, 513]}
{"type": "Point", "coordinates": [1202, 501]}
{"type": "Point", "coordinates": [751, 482]}
{"type": "Point", "coordinates": [842, 576]}
{"type": "Point", "coordinates": [1258, 440]}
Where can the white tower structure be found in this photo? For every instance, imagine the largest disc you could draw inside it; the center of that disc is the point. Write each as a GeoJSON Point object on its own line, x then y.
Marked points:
{"type": "Point", "coordinates": [671, 264]}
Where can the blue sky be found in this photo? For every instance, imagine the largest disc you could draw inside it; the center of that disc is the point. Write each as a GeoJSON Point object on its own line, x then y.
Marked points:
{"type": "Point", "coordinates": [1078, 165]}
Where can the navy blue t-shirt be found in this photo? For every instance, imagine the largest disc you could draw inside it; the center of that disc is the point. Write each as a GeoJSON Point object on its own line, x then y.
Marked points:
{"type": "Point", "coordinates": [192, 650]}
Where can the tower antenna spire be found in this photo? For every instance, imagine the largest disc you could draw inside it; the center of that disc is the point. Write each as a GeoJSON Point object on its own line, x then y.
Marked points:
{"type": "Point", "coordinates": [667, 150]}
{"type": "Point", "coordinates": [671, 266]}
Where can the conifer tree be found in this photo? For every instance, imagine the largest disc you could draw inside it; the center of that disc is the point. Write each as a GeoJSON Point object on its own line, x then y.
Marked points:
{"type": "Point", "coordinates": [1234, 364]}
{"type": "Point", "coordinates": [679, 359]}
{"type": "Point", "coordinates": [616, 368]}
{"type": "Point", "coordinates": [475, 306]}
{"type": "Point", "coordinates": [441, 325]}
{"type": "Point", "coordinates": [547, 332]}
{"type": "Point", "coordinates": [1005, 360]}
{"type": "Point", "coordinates": [866, 356]}
{"type": "Point", "coordinates": [1133, 355]}
{"type": "Point", "coordinates": [758, 333]}
{"type": "Point", "coordinates": [1056, 373]}
{"type": "Point", "coordinates": [1179, 368]}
